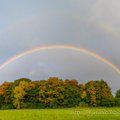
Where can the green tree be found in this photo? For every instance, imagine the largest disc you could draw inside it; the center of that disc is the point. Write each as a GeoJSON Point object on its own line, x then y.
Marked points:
{"type": "Point", "coordinates": [19, 94]}
{"type": "Point", "coordinates": [16, 82]}
{"type": "Point", "coordinates": [72, 93]}
{"type": "Point", "coordinates": [117, 97]}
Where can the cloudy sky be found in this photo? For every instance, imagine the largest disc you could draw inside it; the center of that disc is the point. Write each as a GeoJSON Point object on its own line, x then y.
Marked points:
{"type": "Point", "coordinates": [90, 24]}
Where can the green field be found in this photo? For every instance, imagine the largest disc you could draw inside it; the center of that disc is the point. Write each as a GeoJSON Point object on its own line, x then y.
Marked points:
{"type": "Point", "coordinates": [62, 114]}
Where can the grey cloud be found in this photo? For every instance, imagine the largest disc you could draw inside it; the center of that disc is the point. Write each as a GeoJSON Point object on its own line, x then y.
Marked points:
{"type": "Point", "coordinates": [89, 24]}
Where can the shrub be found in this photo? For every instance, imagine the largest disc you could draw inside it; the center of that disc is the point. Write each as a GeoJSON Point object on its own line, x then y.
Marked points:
{"type": "Point", "coordinates": [7, 106]}
{"type": "Point", "coordinates": [83, 104]}
{"type": "Point", "coordinates": [107, 102]}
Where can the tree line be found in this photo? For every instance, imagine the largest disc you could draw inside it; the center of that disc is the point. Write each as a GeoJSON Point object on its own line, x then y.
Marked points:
{"type": "Point", "coordinates": [56, 93]}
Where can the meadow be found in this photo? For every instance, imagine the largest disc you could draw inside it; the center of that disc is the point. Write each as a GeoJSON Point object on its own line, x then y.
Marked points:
{"type": "Point", "coordinates": [62, 114]}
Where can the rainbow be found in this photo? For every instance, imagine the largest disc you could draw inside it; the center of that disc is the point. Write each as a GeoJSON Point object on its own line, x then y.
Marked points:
{"type": "Point", "coordinates": [102, 59]}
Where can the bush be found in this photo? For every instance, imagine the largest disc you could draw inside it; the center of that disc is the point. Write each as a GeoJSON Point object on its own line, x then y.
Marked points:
{"type": "Point", "coordinates": [117, 101]}
{"type": "Point", "coordinates": [83, 104]}
{"type": "Point", "coordinates": [30, 105]}
{"type": "Point", "coordinates": [7, 106]}
{"type": "Point", "coordinates": [108, 102]}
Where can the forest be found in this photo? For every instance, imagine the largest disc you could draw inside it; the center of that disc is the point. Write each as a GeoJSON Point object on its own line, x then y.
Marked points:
{"type": "Point", "coordinates": [56, 93]}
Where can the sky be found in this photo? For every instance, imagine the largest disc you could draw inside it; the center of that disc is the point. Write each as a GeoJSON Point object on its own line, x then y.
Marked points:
{"type": "Point", "coordinates": [90, 24]}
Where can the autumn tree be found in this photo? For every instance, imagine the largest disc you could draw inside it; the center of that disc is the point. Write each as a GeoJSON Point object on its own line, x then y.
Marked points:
{"type": "Point", "coordinates": [106, 95]}
{"type": "Point", "coordinates": [55, 93]}
{"type": "Point", "coordinates": [91, 93]}
{"type": "Point", "coordinates": [6, 90]}
{"type": "Point", "coordinates": [99, 93]}
{"type": "Point", "coordinates": [51, 92]}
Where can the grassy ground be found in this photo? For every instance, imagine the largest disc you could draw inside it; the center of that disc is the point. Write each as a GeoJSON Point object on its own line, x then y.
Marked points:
{"type": "Point", "coordinates": [62, 114]}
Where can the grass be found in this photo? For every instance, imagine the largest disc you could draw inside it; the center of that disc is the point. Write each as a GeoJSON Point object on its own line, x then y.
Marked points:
{"type": "Point", "coordinates": [62, 114]}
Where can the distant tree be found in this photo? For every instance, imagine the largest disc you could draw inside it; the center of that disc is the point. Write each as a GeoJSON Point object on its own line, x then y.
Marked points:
{"type": "Point", "coordinates": [3, 87]}
{"type": "Point", "coordinates": [72, 93]}
{"type": "Point", "coordinates": [107, 98]}
{"type": "Point", "coordinates": [55, 92]}
{"type": "Point", "coordinates": [19, 93]}
{"type": "Point", "coordinates": [91, 93]}
{"type": "Point", "coordinates": [117, 97]}
{"type": "Point", "coordinates": [16, 82]}
{"type": "Point", "coordinates": [97, 92]}
{"type": "Point", "coordinates": [6, 95]}
{"type": "Point", "coordinates": [51, 92]}
{"type": "Point", "coordinates": [32, 97]}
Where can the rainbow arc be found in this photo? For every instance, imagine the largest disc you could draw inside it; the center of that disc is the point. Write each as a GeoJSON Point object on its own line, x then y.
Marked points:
{"type": "Point", "coordinates": [30, 51]}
